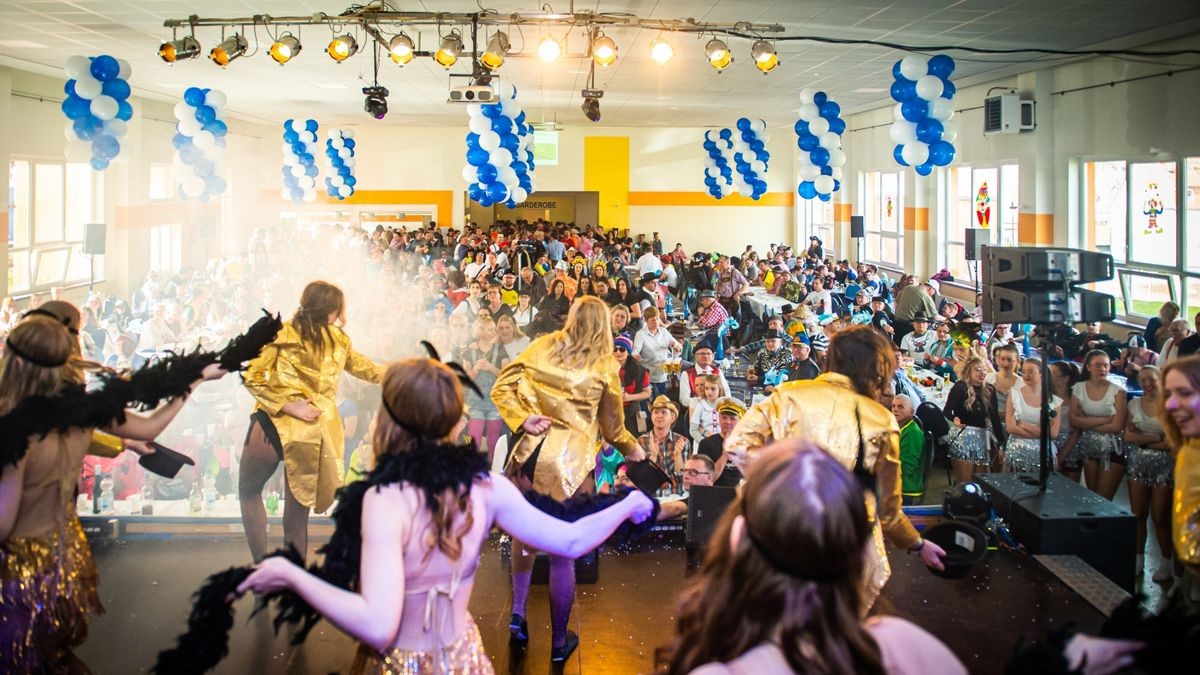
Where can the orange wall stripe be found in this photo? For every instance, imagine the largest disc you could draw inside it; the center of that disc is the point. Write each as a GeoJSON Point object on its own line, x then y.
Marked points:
{"type": "Point", "coordinates": [705, 199]}
{"type": "Point", "coordinates": [842, 212]}
{"type": "Point", "coordinates": [1036, 229]}
{"type": "Point", "coordinates": [916, 218]}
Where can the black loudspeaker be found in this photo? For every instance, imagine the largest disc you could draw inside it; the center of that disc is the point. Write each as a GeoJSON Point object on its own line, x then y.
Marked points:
{"type": "Point", "coordinates": [857, 229]}
{"type": "Point", "coordinates": [94, 235]}
{"type": "Point", "coordinates": [1066, 519]}
{"type": "Point", "coordinates": [1042, 285]}
{"type": "Point", "coordinates": [976, 238]}
{"type": "Point", "coordinates": [706, 505]}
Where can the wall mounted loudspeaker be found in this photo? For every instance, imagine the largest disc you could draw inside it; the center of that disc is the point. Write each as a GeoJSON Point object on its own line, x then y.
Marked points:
{"type": "Point", "coordinates": [976, 238]}
{"type": "Point", "coordinates": [94, 235]}
{"type": "Point", "coordinates": [857, 230]}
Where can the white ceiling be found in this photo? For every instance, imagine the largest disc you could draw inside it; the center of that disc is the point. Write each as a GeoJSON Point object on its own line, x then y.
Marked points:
{"type": "Point", "coordinates": [38, 34]}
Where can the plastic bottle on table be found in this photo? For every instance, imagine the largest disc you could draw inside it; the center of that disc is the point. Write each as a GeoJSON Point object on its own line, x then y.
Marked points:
{"type": "Point", "coordinates": [106, 494]}
{"type": "Point", "coordinates": [195, 500]}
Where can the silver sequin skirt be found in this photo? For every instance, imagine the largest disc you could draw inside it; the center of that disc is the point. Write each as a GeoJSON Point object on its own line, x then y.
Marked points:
{"type": "Point", "coordinates": [1023, 455]}
{"type": "Point", "coordinates": [1154, 468]}
{"type": "Point", "coordinates": [1099, 447]}
{"type": "Point", "coordinates": [972, 444]}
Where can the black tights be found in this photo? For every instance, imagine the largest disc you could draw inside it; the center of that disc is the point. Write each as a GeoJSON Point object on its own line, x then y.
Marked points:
{"type": "Point", "coordinates": [260, 459]}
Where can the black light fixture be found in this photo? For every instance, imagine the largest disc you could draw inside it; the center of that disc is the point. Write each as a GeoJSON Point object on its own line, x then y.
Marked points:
{"type": "Point", "coordinates": [376, 103]}
{"type": "Point", "coordinates": [591, 108]}
{"type": "Point", "coordinates": [182, 49]}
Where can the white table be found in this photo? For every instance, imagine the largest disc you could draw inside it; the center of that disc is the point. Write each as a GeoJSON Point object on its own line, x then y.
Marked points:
{"type": "Point", "coordinates": [763, 303]}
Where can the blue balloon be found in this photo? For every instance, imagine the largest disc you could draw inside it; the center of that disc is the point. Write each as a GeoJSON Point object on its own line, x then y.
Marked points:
{"type": "Point", "coordinates": [491, 110]}
{"type": "Point", "coordinates": [125, 111]}
{"type": "Point", "coordinates": [896, 70]}
{"type": "Point", "coordinates": [948, 88]}
{"type": "Point", "coordinates": [487, 173]}
{"type": "Point", "coordinates": [941, 65]}
{"type": "Point", "coordinates": [923, 169]}
{"type": "Point", "coordinates": [807, 189]}
{"type": "Point", "coordinates": [297, 194]}
{"type": "Point", "coordinates": [474, 192]}
{"type": "Point", "coordinates": [941, 153]}
{"type": "Point", "coordinates": [929, 130]}
{"type": "Point", "coordinates": [485, 202]}
{"type": "Point", "coordinates": [820, 98]}
{"type": "Point", "coordinates": [179, 193]}
{"type": "Point", "coordinates": [105, 68]}
{"type": "Point", "coordinates": [502, 125]}
{"type": "Point", "coordinates": [808, 142]}
{"type": "Point", "coordinates": [726, 134]}
{"type": "Point", "coordinates": [118, 89]}
{"type": "Point", "coordinates": [69, 88]}
{"type": "Point", "coordinates": [218, 128]}
{"type": "Point", "coordinates": [190, 154]}
{"type": "Point", "coordinates": [520, 119]}
{"type": "Point", "coordinates": [194, 96]}
{"type": "Point", "coordinates": [350, 180]}
{"type": "Point", "coordinates": [105, 146]}
{"type": "Point", "coordinates": [349, 142]}
{"type": "Point", "coordinates": [75, 107]}
{"type": "Point", "coordinates": [743, 124]}
{"type": "Point", "coordinates": [837, 125]}
{"type": "Point", "coordinates": [743, 168]}
{"type": "Point", "coordinates": [311, 170]}
{"type": "Point", "coordinates": [826, 170]}
{"type": "Point", "coordinates": [342, 171]}
{"type": "Point", "coordinates": [824, 197]}
{"type": "Point", "coordinates": [214, 184]}
{"type": "Point", "coordinates": [837, 185]}
{"type": "Point", "coordinates": [86, 127]}
{"type": "Point", "coordinates": [497, 192]}
{"type": "Point", "coordinates": [898, 155]}
{"type": "Point", "coordinates": [801, 127]}
{"type": "Point", "coordinates": [903, 89]}
{"type": "Point", "coordinates": [914, 109]}
{"type": "Point", "coordinates": [709, 147]}
{"type": "Point", "coordinates": [764, 156]}
{"type": "Point", "coordinates": [290, 137]}
{"type": "Point", "coordinates": [306, 159]}
{"type": "Point", "coordinates": [757, 146]}
{"type": "Point", "coordinates": [311, 125]}
{"type": "Point", "coordinates": [287, 124]}
{"type": "Point", "coordinates": [222, 143]}
{"type": "Point", "coordinates": [830, 110]}
{"type": "Point", "coordinates": [179, 141]}
{"type": "Point", "coordinates": [710, 182]}
{"type": "Point", "coordinates": [99, 163]}
{"type": "Point", "coordinates": [204, 168]}
{"type": "Point", "coordinates": [520, 167]}
{"type": "Point", "coordinates": [819, 156]}
{"type": "Point", "coordinates": [472, 141]}
{"type": "Point", "coordinates": [205, 114]}
{"type": "Point", "coordinates": [510, 142]}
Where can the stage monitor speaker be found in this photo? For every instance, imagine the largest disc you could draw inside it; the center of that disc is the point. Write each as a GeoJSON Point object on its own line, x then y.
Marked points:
{"type": "Point", "coordinates": [1042, 285]}
{"type": "Point", "coordinates": [857, 228]}
{"type": "Point", "coordinates": [94, 235]}
{"type": "Point", "coordinates": [1007, 305]}
{"type": "Point", "coordinates": [1066, 519]}
{"type": "Point", "coordinates": [706, 505]}
{"type": "Point", "coordinates": [1008, 265]}
{"type": "Point", "coordinates": [976, 238]}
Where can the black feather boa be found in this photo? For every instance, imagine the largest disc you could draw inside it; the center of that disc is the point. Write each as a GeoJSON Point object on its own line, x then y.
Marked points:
{"type": "Point", "coordinates": [433, 468]}
{"type": "Point", "coordinates": [164, 379]}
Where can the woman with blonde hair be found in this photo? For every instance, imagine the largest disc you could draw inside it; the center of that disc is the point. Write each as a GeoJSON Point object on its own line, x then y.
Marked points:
{"type": "Point", "coordinates": [1181, 426]}
{"type": "Point", "coordinates": [972, 407]}
{"type": "Point", "coordinates": [1150, 464]}
{"type": "Point", "coordinates": [509, 334]}
{"type": "Point", "coordinates": [1098, 411]}
{"type": "Point", "coordinates": [559, 396]}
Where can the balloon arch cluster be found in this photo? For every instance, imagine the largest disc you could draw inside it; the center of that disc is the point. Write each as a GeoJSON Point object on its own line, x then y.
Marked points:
{"type": "Point", "coordinates": [97, 107]}
{"type": "Point", "coordinates": [743, 151]}
{"type": "Point", "coordinates": [499, 151]}
{"type": "Point", "coordinates": [923, 131]}
{"type": "Point", "coordinates": [819, 137]}
{"type": "Point", "coordinates": [199, 143]}
{"type": "Point", "coordinates": [299, 161]}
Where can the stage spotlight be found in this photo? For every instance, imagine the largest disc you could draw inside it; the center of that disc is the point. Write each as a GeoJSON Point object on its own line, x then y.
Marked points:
{"type": "Point", "coordinates": [229, 49]}
{"type": "Point", "coordinates": [497, 47]}
{"type": "Point", "coordinates": [285, 48]}
{"type": "Point", "coordinates": [400, 49]}
{"type": "Point", "coordinates": [718, 54]}
{"type": "Point", "coordinates": [661, 51]}
{"type": "Point", "coordinates": [376, 103]}
{"type": "Point", "coordinates": [342, 47]}
{"type": "Point", "coordinates": [182, 49]}
{"type": "Point", "coordinates": [447, 54]}
{"type": "Point", "coordinates": [765, 58]}
{"type": "Point", "coordinates": [591, 108]}
{"type": "Point", "coordinates": [604, 51]}
{"type": "Point", "coordinates": [549, 49]}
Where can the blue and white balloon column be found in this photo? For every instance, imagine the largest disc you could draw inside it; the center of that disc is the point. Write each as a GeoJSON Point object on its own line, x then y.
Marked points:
{"type": "Point", "coordinates": [339, 148]}
{"type": "Point", "coordinates": [499, 151]}
{"type": "Point", "coordinates": [819, 137]}
{"type": "Point", "coordinates": [200, 144]}
{"type": "Point", "coordinates": [923, 131]}
{"type": "Point", "coordinates": [718, 174]}
{"type": "Point", "coordinates": [97, 105]}
{"type": "Point", "coordinates": [750, 158]}
{"type": "Point", "coordinates": [299, 160]}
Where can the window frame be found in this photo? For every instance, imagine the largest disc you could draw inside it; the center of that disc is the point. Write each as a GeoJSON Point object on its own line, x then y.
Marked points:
{"type": "Point", "coordinates": [950, 199]}
{"type": "Point", "coordinates": [873, 227]}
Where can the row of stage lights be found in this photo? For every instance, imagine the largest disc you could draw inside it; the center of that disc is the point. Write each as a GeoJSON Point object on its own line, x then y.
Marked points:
{"type": "Point", "coordinates": [402, 50]}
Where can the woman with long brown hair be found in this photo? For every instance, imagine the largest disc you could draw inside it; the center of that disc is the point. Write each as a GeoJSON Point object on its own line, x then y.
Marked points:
{"type": "Point", "coordinates": [1098, 411]}
{"type": "Point", "coordinates": [295, 419]}
{"type": "Point", "coordinates": [560, 395]}
{"type": "Point", "coordinates": [425, 515]}
{"type": "Point", "coordinates": [779, 591]}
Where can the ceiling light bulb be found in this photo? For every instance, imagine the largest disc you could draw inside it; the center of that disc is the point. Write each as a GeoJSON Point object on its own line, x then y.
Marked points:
{"type": "Point", "coordinates": [765, 58]}
{"type": "Point", "coordinates": [447, 54]}
{"type": "Point", "coordinates": [285, 48]}
{"type": "Point", "coordinates": [400, 49]}
{"type": "Point", "coordinates": [229, 49]}
{"type": "Point", "coordinates": [185, 47]}
{"type": "Point", "coordinates": [342, 47]}
{"type": "Point", "coordinates": [497, 47]}
{"type": "Point", "coordinates": [718, 54]}
{"type": "Point", "coordinates": [604, 51]}
{"type": "Point", "coordinates": [549, 49]}
{"type": "Point", "coordinates": [661, 51]}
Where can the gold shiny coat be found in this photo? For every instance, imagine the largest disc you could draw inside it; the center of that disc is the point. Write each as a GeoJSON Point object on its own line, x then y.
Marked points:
{"type": "Point", "coordinates": [584, 406]}
{"type": "Point", "coordinates": [1185, 517]}
{"type": "Point", "coordinates": [289, 370]}
{"type": "Point", "coordinates": [824, 411]}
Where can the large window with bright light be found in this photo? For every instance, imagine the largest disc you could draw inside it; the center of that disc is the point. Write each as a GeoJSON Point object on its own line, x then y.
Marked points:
{"type": "Point", "coordinates": [816, 218]}
{"type": "Point", "coordinates": [881, 203]}
{"type": "Point", "coordinates": [984, 198]}
{"type": "Point", "coordinates": [165, 248]}
{"type": "Point", "coordinates": [1140, 213]}
{"type": "Point", "coordinates": [49, 207]}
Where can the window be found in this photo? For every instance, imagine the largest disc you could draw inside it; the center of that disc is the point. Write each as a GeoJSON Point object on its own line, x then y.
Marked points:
{"type": "Point", "coordinates": [1132, 211]}
{"type": "Point", "coordinates": [49, 207]}
{"type": "Point", "coordinates": [881, 196]}
{"type": "Point", "coordinates": [983, 198]}
{"type": "Point", "coordinates": [164, 248]}
{"type": "Point", "coordinates": [545, 148]}
{"type": "Point", "coordinates": [816, 218]}
{"type": "Point", "coordinates": [161, 185]}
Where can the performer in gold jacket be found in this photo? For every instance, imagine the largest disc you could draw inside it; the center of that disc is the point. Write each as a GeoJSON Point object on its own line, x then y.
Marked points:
{"type": "Point", "coordinates": [839, 411]}
{"type": "Point", "coordinates": [561, 395]}
{"type": "Point", "coordinates": [294, 383]}
{"type": "Point", "coordinates": [1181, 426]}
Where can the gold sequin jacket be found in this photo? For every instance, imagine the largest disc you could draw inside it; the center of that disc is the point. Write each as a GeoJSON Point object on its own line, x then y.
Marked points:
{"type": "Point", "coordinates": [1185, 519]}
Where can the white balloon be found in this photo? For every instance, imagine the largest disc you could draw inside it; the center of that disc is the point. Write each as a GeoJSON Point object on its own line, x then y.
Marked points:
{"type": "Point", "coordinates": [469, 173]}
{"type": "Point", "coordinates": [929, 87]}
{"type": "Point", "coordinates": [298, 170]}
{"type": "Point", "coordinates": [510, 107]}
{"type": "Point", "coordinates": [77, 66]}
{"type": "Point", "coordinates": [898, 113]}
{"type": "Point", "coordinates": [764, 135]}
{"type": "Point", "coordinates": [915, 153]}
{"type": "Point", "coordinates": [837, 158]}
{"type": "Point", "coordinates": [745, 190]}
{"type": "Point", "coordinates": [809, 172]}
{"type": "Point", "coordinates": [310, 195]}
{"type": "Point", "coordinates": [337, 143]}
{"type": "Point", "coordinates": [806, 95]}
{"type": "Point", "coordinates": [903, 133]}
{"type": "Point", "coordinates": [309, 138]}
{"type": "Point", "coordinates": [506, 174]}
{"type": "Point", "coordinates": [349, 161]}
{"type": "Point", "coordinates": [914, 66]}
{"type": "Point", "coordinates": [345, 153]}
{"type": "Point", "coordinates": [489, 140]}
{"type": "Point", "coordinates": [347, 133]}
{"type": "Point", "coordinates": [519, 194]}
{"type": "Point", "coordinates": [809, 112]}
{"type": "Point", "coordinates": [712, 172]}
{"type": "Point", "coordinates": [830, 140]}
{"type": "Point", "coordinates": [307, 182]}
{"type": "Point", "coordinates": [504, 89]}
{"type": "Point", "coordinates": [500, 157]}
{"type": "Point", "coordinates": [941, 109]}
{"type": "Point", "coordinates": [104, 107]}
{"type": "Point", "coordinates": [189, 126]}
{"type": "Point", "coordinates": [180, 165]}
{"type": "Point", "coordinates": [215, 98]}
{"type": "Point", "coordinates": [345, 190]}
{"type": "Point", "coordinates": [285, 194]}
{"type": "Point", "coordinates": [758, 166]}
{"type": "Point", "coordinates": [290, 158]}
{"type": "Point", "coordinates": [709, 162]}
{"type": "Point", "coordinates": [69, 130]}
{"type": "Point", "coordinates": [824, 184]}
{"type": "Point", "coordinates": [220, 113]}
{"type": "Point", "coordinates": [837, 173]}
{"type": "Point", "coordinates": [757, 126]}
{"type": "Point", "coordinates": [474, 110]}
{"type": "Point", "coordinates": [183, 111]}
{"type": "Point", "coordinates": [480, 125]}
{"type": "Point", "coordinates": [818, 127]}
{"type": "Point", "coordinates": [204, 139]}
{"type": "Point", "coordinates": [87, 87]}
{"type": "Point", "coordinates": [124, 70]}
{"type": "Point", "coordinates": [949, 131]}
{"type": "Point", "coordinates": [509, 182]}
{"type": "Point", "coordinates": [78, 150]}
{"type": "Point", "coordinates": [193, 186]}
{"type": "Point", "coordinates": [115, 128]}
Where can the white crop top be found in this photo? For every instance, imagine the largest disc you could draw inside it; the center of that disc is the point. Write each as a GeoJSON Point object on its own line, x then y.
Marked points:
{"type": "Point", "coordinates": [1105, 407]}
{"type": "Point", "coordinates": [1147, 424]}
{"type": "Point", "coordinates": [1026, 413]}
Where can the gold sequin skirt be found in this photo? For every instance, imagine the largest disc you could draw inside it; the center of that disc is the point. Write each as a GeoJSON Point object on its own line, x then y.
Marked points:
{"type": "Point", "coordinates": [47, 588]}
{"type": "Point", "coordinates": [464, 656]}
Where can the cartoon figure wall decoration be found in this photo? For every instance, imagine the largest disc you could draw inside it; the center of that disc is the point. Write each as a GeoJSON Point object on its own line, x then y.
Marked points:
{"type": "Point", "coordinates": [983, 206]}
{"type": "Point", "coordinates": [1154, 209]}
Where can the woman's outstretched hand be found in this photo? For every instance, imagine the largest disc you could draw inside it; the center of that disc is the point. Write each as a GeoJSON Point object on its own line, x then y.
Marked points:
{"type": "Point", "coordinates": [640, 507]}
{"type": "Point", "coordinates": [272, 574]}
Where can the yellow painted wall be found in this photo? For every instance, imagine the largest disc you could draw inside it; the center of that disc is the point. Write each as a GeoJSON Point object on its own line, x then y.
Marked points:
{"type": "Point", "coordinates": [606, 171]}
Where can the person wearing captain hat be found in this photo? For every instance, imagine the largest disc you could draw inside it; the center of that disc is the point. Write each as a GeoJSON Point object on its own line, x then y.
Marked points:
{"type": "Point", "coordinates": [703, 354]}
{"type": "Point", "coordinates": [729, 412]}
